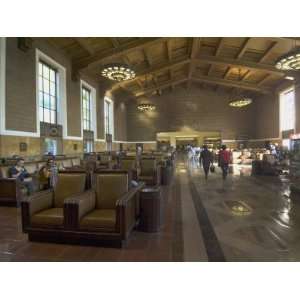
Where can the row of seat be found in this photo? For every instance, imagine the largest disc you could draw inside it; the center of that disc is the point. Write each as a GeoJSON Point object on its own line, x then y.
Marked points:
{"type": "Point", "coordinates": [152, 169]}
{"type": "Point", "coordinates": [10, 188]}
{"type": "Point", "coordinates": [69, 213]}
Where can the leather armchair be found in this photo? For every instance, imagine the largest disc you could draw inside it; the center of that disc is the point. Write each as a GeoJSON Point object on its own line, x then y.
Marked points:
{"type": "Point", "coordinates": [130, 166]}
{"type": "Point", "coordinates": [149, 171]}
{"type": "Point", "coordinates": [11, 191]}
{"type": "Point", "coordinates": [45, 209]}
{"type": "Point", "coordinates": [109, 210]}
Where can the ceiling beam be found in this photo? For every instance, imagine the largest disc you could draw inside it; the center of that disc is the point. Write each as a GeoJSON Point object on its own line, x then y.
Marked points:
{"type": "Point", "coordinates": [114, 42]}
{"type": "Point", "coordinates": [209, 70]}
{"type": "Point", "coordinates": [243, 48]}
{"type": "Point", "coordinates": [246, 75]}
{"type": "Point", "coordinates": [111, 54]}
{"type": "Point", "coordinates": [227, 73]}
{"type": "Point", "coordinates": [195, 45]}
{"type": "Point", "coordinates": [262, 81]}
{"type": "Point", "coordinates": [238, 63]}
{"type": "Point", "coordinates": [159, 68]}
{"type": "Point", "coordinates": [85, 45]}
{"type": "Point", "coordinates": [268, 51]}
{"type": "Point", "coordinates": [169, 49]}
{"type": "Point", "coordinates": [147, 57]}
{"type": "Point", "coordinates": [219, 48]}
{"type": "Point", "coordinates": [161, 86]}
{"type": "Point", "coordinates": [231, 83]}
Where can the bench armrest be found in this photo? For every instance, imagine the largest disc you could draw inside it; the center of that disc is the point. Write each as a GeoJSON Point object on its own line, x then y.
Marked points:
{"type": "Point", "coordinates": [126, 207]}
{"type": "Point", "coordinates": [77, 206]}
{"type": "Point", "coordinates": [35, 203]}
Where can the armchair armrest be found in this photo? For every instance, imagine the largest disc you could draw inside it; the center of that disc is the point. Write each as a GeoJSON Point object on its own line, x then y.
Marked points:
{"type": "Point", "coordinates": [35, 203]}
{"type": "Point", "coordinates": [157, 179]}
{"type": "Point", "coordinates": [9, 189]}
{"type": "Point", "coordinates": [126, 207]}
{"type": "Point", "coordinates": [77, 206]}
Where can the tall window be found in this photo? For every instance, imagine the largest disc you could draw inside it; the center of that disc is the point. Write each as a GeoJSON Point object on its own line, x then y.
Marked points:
{"type": "Point", "coordinates": [287, 110]}
{"type": "Point", "coordinates": [47, 93]}
{"type": "Point", "coordinates": [50, 146]}
{"type": "Point", "coordinates": [86, 108]}
{"type": "Point", "coordinates": [108, 116]}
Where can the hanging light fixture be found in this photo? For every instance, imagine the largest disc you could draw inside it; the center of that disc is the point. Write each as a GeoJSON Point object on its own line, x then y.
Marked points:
{"type": "Point", "coordinates": [118, 72]}
{"type": "Point", "coordinates": [240, 100]}
{"type": "Point", "coordinates": [144, 107]}
{"type": "Point", "coordinates": [291, 59]}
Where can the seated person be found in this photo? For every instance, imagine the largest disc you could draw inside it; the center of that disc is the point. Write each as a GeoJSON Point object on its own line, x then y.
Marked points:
{"type": "Point", "coordinates": [48, 174]}
{"type": "Point", "coordinates": [20, 173]}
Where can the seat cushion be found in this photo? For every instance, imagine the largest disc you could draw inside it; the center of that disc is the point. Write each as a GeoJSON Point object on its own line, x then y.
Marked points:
{"type": "Point", "coordinates": [100, 219]}
{"type": "Point", "coordinates": [67, 186]}
{"type": "Point", "coordinates": [67, 163]}
{"type": "Point", "coordinates": [109, 188]}
{"type": "Point", "coordinates": [52, 216]}
{"type": "Point", "coordinates": [4, 172]}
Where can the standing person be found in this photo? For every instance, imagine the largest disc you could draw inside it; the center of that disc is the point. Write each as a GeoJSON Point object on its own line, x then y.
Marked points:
{"type": "Point", "coordinates": [224, 160]}
{"type": "Point", "coordinates": [206, 159]}
{"type": "Point", "coordinates": [20, 173]}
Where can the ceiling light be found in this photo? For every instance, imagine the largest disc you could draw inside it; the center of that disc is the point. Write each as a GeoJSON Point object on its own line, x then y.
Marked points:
{"type": "Point", "coordinates": [240, 102]}
{"type": "Point", "coordinates": [289, 61]}
{"type": "Point", "coordinates": [146, 107]}
{"type": "Point", "coordinates": [289, 78]}
{"type": "Point", "coordinates": [118, 72]}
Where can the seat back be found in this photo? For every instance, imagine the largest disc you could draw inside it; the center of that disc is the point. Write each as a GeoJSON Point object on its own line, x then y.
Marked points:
{"type": "Point", "coordinates": [148, 166]}
{"type": "Point", "coordinates": [109, 188]}
{"type": "Point", "coordinates": [127, 164]}
{"type": "Point", "coordinates": [68, 185]}
{"type": "Point", "coordinates": [4, 171]}
{"type": "Point", "coordinates": [67, 163]}
{"type": "Point", "coordinates": [76, 162]}
{"type": "Point", "coordinates": [31, 168]}
{"type": "Point", "coordinates": [105, 158]}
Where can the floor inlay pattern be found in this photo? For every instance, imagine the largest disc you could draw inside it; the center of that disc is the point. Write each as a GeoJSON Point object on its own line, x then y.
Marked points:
{"type": "Point", "coordinates": [212, 245]}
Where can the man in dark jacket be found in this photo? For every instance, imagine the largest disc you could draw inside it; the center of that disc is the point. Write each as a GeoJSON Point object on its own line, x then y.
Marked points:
{"type": "Point", "coordinates": [206, 159]}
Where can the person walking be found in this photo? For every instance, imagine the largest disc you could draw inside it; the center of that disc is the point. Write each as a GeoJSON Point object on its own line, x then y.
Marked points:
{"type": "Point", "coordinates": [224, 160]}
{"type": "Point", "coordinates": [206, 159]}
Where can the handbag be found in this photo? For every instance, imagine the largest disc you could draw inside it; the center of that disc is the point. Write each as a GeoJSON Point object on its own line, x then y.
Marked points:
{"type": "Point", "coordinates": [212, 168]}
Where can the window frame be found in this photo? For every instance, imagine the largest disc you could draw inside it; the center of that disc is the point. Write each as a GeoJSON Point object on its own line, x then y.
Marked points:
{"type": "Point", "coordinates": [281, 95]}
{"type": "Point", "coordinates": [109, 118]}
{"type": "Point", "coordinates": [41, 90]}
{"type": "Point", "coordinates": [89, 119]}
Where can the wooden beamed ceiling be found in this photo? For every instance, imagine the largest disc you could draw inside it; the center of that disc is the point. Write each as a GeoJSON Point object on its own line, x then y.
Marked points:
{"type": "Point", "coordinates": [243, 63]}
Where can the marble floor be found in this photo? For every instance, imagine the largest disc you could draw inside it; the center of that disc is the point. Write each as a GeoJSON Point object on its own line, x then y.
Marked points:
{"type": "Point", "coordinates": [244, 218]}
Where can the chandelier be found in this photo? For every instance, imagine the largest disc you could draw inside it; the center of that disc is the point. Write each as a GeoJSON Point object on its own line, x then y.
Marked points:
{"type": "Point", "coordinates": [240, 102]}
{"type": "Point", "coordinates": [289, 61]}
{"type": "Point", "coordinates": [146, 107]}
{"type": "Point", "coordinates": [118, 72]}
